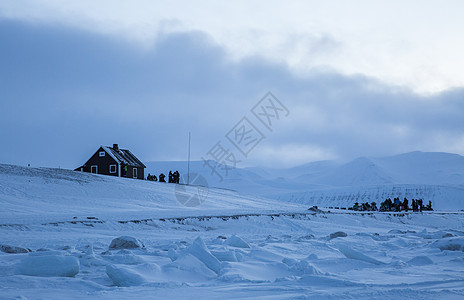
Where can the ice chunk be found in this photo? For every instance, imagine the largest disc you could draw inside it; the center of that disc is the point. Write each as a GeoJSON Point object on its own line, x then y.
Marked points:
{"type": "Point", "coordinates": [236, 241]}
{"type": "Point", "coordinates": [124, 276]}
{"type": "Point", "coordinates": [227, 255]}
{"type": "Point", "coordinates": [420, 261]}
{"type": "Point", "coordinates": [304, 267]}
{"type": "Point", "coordinates": [301, 266]}
{"type": "Point", "coordinates": [337, 234]}
{"type": "Point", "coordinates": [125, 242]}
{"type": "Point", "coordinates": [49, 265]}
{"type": "Point", "coordinates": [200, 251]}
{"type": "Point", "coordinates": [173, 254]}
{"type": "Point", "coordinates": [353, 254]}
{"type": "Point", "coordinates": [188, 268]}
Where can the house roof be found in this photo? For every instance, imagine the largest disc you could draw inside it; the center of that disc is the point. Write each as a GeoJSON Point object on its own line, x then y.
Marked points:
{"type": "Point", "coordinates": [123, 156]}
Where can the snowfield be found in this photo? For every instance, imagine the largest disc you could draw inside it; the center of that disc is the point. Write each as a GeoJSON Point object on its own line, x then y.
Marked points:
{"type": "Point", "coordinates": [69, 235]}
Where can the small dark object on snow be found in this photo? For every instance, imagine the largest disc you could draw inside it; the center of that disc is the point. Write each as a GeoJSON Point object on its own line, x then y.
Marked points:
{"type": "Point", "coordinates": [13, 249]}
{"type": "Point", "coordinates": [338, 234]}
{"type": "Point", "coordinates": [315, 209]}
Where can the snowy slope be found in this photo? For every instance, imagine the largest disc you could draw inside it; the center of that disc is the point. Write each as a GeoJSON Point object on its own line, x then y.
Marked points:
{"type": "Point", "coordinates": [42, 195]}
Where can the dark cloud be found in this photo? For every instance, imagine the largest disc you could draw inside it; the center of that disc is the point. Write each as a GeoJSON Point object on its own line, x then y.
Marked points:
{"type": "Point", "coordinates": [65, 91]}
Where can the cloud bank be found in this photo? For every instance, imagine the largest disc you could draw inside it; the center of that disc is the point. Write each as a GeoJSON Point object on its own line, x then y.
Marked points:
{"type": "Point", "coordinates": [66, 91]}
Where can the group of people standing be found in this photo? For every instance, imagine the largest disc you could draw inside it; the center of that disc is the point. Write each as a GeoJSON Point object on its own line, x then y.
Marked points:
{"type": "Point", "coordinates": [395, 205]}
{"type": "Point", "coordinates": [398, 205]}
{"type": "Point", "coordinates": [174, 177]}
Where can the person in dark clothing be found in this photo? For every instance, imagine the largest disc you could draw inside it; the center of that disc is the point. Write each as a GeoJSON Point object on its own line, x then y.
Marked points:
{"type": "Point", "coordinates": [149, 177]}
{"type": "Point", "coordinates": [405, 204]}
{"type": "Point", "coordinates": [397, 204]}
{"type": "Point", "coordinates": [429, 206]}
{"type": "Point", "coordinates": [388, 204]}
{"type": "Point", "coordinates": [176, 176]}
{"type": "Point", "coordinates": [161, 178]}
{"type": "Point", "coordinates": [154, 178]}
{"type": "Point", "coordinates": [170, 177]}
{"type": "Point", "coordinates": [420, 204]}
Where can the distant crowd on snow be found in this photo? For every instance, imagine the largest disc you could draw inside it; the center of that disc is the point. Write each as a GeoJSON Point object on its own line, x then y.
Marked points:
{"type": "Point", "coordinates": [417, 205]}
{"type": "Point", "coordinates": [173, 177]}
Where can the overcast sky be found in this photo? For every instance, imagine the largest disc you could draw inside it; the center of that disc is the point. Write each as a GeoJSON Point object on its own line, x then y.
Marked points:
{"type": "Point", "coordinates": [356, 78]}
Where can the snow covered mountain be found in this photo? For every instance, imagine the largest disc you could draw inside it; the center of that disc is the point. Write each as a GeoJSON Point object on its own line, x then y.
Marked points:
{"type": "Point", "coordinates": [434, 176]}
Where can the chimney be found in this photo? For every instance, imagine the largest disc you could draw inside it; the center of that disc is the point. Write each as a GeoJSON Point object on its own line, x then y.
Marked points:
{"type": "Point", "coordinates": [116, 147]}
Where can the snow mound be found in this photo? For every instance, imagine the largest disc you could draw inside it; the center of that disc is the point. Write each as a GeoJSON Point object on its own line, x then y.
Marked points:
{"type": "Point", "coordinates": [236, 241]}
{"type": "Point", "coordinates": [49, 266]}
{"type": "Point", "coordinates": [301, 267]}
{"type": "Point", "coordinates": [353, 254]}
{"type": "Point", "coordinates": [420, 261]}
{"type": "Point", "coordinates": [13, 249]}
{"type": "Point", "coordinates": [338, 234]}
{"type": "Point", "coordinates": [125, 242]}
{"type": "Point", "coordinates": [453, 244]}
{"type": "Point", "coordinates": [188, 268]}
{"type": "Point", "coordinates": [200, 251]}
{"type": "Point", "coordinates": [124, 276]}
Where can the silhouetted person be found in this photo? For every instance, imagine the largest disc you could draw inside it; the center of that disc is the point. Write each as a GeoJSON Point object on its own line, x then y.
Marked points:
{"type": "Point", "coordinates": [420, 205]}
{"type": "Point", "coordinates": [405, 204]}
{"type": "Point", "coordinates": [161, 177]}
{"type": "Point", "coordinates": [176, 176]}
{"type": "Point", "coordinates": [397, 204]}
{"type": "Point", "coordinates": [170, 177]}
{"type": "Point", "coordinates": [429, 206]}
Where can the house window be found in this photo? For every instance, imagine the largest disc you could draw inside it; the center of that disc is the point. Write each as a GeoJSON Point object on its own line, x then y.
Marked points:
{"type": "Point", "coordinates": [135, 172]}
{"type": "Point", "coordinates": [94, 169]}
{"type": "Point", "coordinates": [113, 168]}
{"type": "Point", "coordinates": [102, 153]}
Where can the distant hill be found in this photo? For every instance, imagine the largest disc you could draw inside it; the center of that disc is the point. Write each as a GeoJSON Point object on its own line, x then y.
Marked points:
{"type": "Point", "coordinates": [434, 176]}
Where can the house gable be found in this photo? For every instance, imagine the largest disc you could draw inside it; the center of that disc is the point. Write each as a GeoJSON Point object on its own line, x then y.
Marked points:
{"type": "Point", "coordinates": [115, 162]}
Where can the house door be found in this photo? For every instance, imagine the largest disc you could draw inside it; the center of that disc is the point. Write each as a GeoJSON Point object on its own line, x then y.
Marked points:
{"type": "Point", "coordinates": [94, 169]}
{"type": "Point", "coordinates": [135, 173]}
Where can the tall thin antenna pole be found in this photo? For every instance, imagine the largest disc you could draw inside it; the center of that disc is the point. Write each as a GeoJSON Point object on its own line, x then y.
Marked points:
{"type": "Point", "coordinates": [188, 164]}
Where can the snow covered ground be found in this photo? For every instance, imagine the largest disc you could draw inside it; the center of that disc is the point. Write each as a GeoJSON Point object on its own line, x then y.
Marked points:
{"type": "Point", "coordinates": [63, 227]}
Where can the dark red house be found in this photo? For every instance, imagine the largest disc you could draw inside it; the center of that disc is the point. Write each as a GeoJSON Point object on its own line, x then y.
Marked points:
{"type": "Point", "coordinates": [114, 162]}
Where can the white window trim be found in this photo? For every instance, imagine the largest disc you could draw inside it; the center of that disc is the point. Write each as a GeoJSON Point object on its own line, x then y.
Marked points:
{"type": "Point", "coordinates": [114, 170]}
{"type": "Point", "coordinates": [96, 169]}
{"type": "Point", "coordinates": [101, 153]}
{"type": "Point", "coordinates": [134, 172]}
